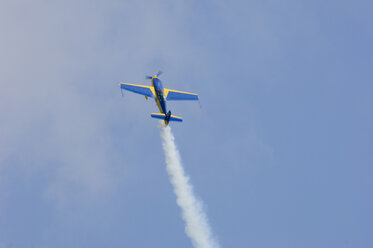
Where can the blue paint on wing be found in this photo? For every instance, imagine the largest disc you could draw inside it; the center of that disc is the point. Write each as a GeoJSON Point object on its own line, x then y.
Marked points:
{"type": "Point", "coordinates": [137, 89]}
{"type": "Point", "coordinates": [173, 95]}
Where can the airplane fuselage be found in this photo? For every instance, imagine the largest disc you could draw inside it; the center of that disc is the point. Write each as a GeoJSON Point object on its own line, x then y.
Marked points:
{"type": "Point", "coordinates": [159, 95]}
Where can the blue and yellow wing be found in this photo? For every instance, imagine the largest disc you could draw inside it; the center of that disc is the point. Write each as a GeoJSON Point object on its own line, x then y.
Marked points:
{"type": "Point", "coordinates": [139, 89]}
{"type": "Point", "coordinates": [171, 95]}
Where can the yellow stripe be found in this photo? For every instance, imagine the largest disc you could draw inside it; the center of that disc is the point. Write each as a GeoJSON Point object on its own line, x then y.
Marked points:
{"type": "Point", "coordinates": [144, 86]}
{"type": "Point", "coordinates": [161, 114]}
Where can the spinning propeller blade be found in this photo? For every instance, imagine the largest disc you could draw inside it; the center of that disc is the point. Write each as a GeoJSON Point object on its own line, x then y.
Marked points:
{"type": "Point", "coordinates": [158, 74]}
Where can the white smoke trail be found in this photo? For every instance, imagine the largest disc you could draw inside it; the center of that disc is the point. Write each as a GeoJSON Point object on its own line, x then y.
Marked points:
{"type": "Point", "coordinates": [196, 224]}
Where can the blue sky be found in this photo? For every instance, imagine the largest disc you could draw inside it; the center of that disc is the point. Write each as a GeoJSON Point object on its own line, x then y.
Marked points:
{"type": "Point", "coordinates": [280, 152]}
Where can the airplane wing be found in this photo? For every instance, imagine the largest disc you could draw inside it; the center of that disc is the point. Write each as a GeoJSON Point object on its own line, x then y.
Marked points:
{"type": "Point", "coordinates": [171, 95]}
{"type": "Point", "coordinates": [139, 89]}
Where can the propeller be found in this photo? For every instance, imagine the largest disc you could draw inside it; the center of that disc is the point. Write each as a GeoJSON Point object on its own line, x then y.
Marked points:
{"type": "Point", "coordinates": [158, 74]}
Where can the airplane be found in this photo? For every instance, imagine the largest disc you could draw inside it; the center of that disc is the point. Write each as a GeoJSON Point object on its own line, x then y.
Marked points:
{"type": "Point", "coordinates": [160, 95]}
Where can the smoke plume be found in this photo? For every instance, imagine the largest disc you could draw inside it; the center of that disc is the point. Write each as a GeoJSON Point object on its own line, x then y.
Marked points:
{"type": "Point", "coordinates": [196, 224]}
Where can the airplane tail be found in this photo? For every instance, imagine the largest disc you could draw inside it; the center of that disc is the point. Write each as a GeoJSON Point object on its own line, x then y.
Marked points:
{"type": "Point", "coordinates": [166, 117]}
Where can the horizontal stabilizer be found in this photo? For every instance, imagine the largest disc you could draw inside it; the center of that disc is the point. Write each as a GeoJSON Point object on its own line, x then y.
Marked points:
{"type": "Point", "coordinates": [163, 117]}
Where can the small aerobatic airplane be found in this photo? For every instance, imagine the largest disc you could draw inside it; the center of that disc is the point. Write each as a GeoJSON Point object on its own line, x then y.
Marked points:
{"type": "Point", "coordinates": [160, 96]}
